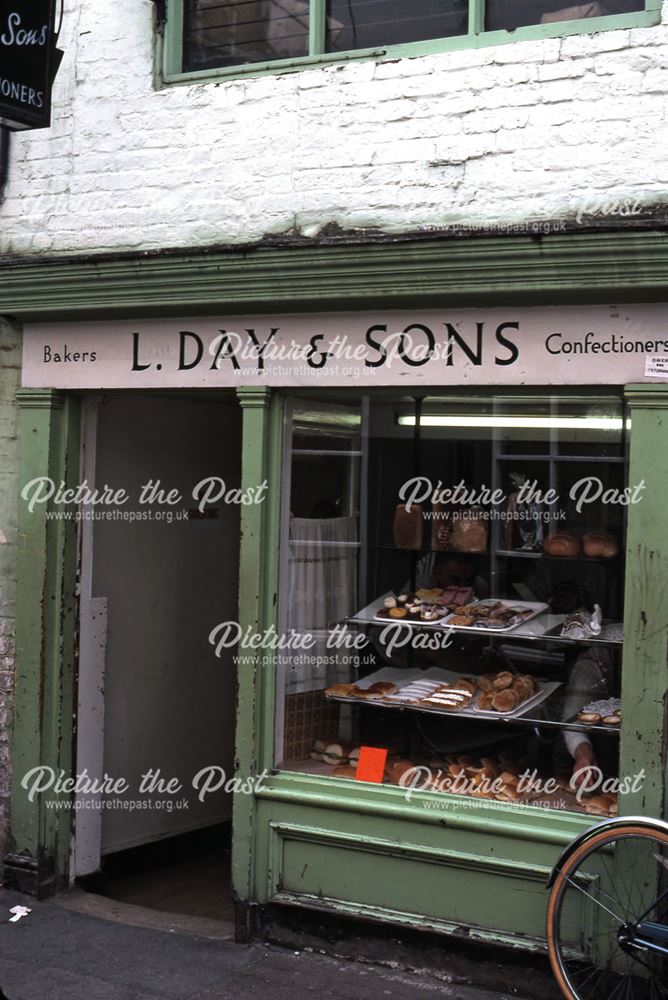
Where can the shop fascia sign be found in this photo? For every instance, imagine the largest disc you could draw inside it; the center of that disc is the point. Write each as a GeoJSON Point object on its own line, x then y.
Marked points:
{"type": "Point", "coordinates": [29, 61]}
{"type": "Point", "coordinates": [511, 346]}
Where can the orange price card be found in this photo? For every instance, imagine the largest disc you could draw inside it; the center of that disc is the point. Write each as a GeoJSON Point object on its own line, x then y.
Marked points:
{"type": "Point", "coordinates": [371, 765]}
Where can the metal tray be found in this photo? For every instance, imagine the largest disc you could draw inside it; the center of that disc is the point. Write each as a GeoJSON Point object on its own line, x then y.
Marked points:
{"type": "Point", "coordinates": [394, 674]}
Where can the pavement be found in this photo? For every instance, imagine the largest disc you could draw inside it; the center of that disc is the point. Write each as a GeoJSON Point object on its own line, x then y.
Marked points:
{"type": "Point", "coordinates": [81, 947]}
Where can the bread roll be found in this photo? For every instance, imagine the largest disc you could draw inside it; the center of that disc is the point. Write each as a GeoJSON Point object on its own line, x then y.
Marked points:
{"type": "Point", "coordinates": [407, 528]}
{"type": "Point", "coordinates": [343, 771]}
{"type": "Point", "coordinates": [509, 779]}
{"type": "Point", "coordinates": [503, 680]}
{"type": "Point", "coordinates": [599, 545]}
{"type": "Point", "coordinates": [597, 805]}
{"type": "Point", "coordinates": [562, 544]}
{"type": "Point", "coordinates": [398, 770]}
{"type": "Point", "coordinates": [505, 701]}
{"type": "Point", "coordinates": [337, 753]}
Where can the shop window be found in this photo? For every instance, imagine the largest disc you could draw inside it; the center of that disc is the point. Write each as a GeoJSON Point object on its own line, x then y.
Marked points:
{"type": "Point", "coordinates": [452, 594]}
{"type": "Point", "coordinates": [222, 34]}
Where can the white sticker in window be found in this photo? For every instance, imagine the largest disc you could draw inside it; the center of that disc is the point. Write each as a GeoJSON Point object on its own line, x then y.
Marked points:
{"type": "Point", "coordinates": [656, 366]}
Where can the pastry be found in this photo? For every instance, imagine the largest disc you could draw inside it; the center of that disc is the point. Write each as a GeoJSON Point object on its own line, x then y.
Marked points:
{"type": "Point", "coordinates": [508, 794]}
{"type": "Point", "coordinates": [505, 701]}
{"type": "Point", "coordinates": [503, 680]}
{"type": "Point", "coordinates": [397, 612]}
{"type": "Point", "coordinates": [485, 701]}
{"type": "Point", "coordinates": [342, 691]}
{"type": "Point", "coordinates": [407, 528]}
{"type": "Point", "coordinates": [562, 544]}
{"type": "Point", "coordinates": [398, 770]}
{"type": "Point", "coordinates": [524, 687]}
{"type": "Point", "coordinates": [612, 720]}
{"type": "Point", "coordinates": [486, 682]}
{"type": "Point", "coordinates": [590, 717]}
{"type": "Point", "coordinates": [467, 683]}
{"type": "Point", "coordinates": [390, 602]}
{"type": "Point", "coordinates": [377, 691]}
{"type": "Point", "coordinates": [508, 778]}
{"type": "Point", "coordinates": [599, 545]}
{"type": "Point", "coordinates": [598, 805]}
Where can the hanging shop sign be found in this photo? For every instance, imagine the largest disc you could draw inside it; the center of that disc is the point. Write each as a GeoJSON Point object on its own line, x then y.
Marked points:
{"type": "Point", "coordinates": [28, 62]}
{"type": "Point", "coordinates": [595, 345]}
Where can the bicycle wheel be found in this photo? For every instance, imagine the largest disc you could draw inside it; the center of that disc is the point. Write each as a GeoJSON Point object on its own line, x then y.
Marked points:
{"type": "Point", "coordinates": [610, 882]}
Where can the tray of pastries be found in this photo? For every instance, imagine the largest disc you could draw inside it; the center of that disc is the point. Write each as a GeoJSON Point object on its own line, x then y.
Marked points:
{"type": "Point", "coordinates": [503, 694]}
{"type": "Point", "coordinates": [493, 615]}
{"type": "Point", "coordinates": [424, 606]}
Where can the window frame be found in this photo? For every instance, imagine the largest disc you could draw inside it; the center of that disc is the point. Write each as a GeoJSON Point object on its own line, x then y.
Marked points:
{"type": "Point", "coordinates": [170, 48]}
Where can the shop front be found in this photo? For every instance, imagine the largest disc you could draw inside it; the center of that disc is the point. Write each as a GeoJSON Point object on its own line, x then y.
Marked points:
{"type": "Point", "coordinates": [451, 635]}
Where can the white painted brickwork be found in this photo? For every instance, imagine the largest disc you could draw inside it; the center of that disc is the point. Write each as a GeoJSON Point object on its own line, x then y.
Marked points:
{"type": "Point", "coordinates": [509, 133]}
{"type": "Point", "coordinates": [10, 359]}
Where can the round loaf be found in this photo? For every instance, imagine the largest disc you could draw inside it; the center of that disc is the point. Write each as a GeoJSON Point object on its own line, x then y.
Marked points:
{"type": "Point", "coordinates": [599, 545]}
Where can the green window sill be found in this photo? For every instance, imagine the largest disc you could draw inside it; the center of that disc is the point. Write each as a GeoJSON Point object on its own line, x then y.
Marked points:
{"type": "Point", "coordinates": [170, 56]}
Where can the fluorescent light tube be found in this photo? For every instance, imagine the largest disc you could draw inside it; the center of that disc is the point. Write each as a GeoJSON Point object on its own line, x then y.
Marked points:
{"type": "Point", "coordinates": [550, 423]}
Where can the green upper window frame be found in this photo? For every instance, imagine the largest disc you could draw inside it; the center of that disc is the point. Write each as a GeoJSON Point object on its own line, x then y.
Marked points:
{"type": "Point", "coordinates": [213, 39]}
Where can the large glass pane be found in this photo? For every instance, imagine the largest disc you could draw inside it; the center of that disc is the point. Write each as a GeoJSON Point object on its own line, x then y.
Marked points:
{"type": "Point", "coordinates": [510, 14]}
{"type": "Point", "coordinates": [234, 32]}
{"type": "Point", "coordinates": [364, 24]}
{"type": "Point", "coordinates": [469, 541]}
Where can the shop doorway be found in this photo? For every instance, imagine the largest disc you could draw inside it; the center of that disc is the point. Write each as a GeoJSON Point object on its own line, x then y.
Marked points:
{"type": "Point", "coordinates": [156, 711]}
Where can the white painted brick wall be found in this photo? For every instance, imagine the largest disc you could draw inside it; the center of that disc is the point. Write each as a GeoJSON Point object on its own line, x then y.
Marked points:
{"type": "Point", "coordinates": [529, 130]}
{"type": "Point", "coordinates": [10, 358]}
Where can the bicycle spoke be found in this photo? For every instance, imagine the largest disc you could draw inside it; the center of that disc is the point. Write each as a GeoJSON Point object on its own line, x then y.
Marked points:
{"type": "Point", "coordinates": [593, 899]}
{"type": "Point", "coordinates": [622, 879]}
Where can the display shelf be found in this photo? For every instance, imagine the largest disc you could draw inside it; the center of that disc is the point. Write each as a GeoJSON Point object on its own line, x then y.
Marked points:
{"type": "Point", "coordinates": [544, 716]}
{"type": "Point", "coordinates": [547, 457]}
{"type": "Point", "coordinates": [544, 628]}
{"type": "Point", "coordinates": [511, 553]}
{"type": "Point", "coordinates": [519, 554]}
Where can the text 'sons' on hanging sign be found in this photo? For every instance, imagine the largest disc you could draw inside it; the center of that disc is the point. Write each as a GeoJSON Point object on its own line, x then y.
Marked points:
{"type": "Point", "coordinates": [29, 61]}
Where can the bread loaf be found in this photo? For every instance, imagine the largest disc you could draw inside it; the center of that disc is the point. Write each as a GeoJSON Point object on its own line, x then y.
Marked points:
{"type": "Point", "coordinates": [469, 533]}
{"type": "Point", "coordinates": [599, 545]}
{"type": "Point", "coordinates": [407, 528]}
{"type": "Point", "coordinates": [562, 544]}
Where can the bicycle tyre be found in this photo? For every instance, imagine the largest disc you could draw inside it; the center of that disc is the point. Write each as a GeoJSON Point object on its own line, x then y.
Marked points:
{"type": "Point", "coordinates": [565, 878]}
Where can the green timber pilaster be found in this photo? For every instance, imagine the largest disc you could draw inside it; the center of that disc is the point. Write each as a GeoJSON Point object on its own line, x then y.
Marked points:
{"type": "Point", "coordinates": [645, 673]}
{"type": "Point", "coordinates": [258, 590]}
{"type": "Point", "coordinates": [43, 731]}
